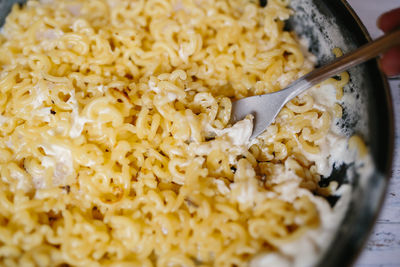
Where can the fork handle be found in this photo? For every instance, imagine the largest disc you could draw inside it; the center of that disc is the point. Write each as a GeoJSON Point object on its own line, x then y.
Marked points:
{"type": "Point", "coordinates": [358, 56]}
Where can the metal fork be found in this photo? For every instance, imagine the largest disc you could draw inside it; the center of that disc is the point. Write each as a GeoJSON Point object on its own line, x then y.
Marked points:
{"type": "Point", "coordinates": [266, 107]}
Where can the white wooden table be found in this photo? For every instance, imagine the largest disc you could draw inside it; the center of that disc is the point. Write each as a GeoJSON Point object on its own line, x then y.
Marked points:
{"type": "Point", "coordinates": [383, 247]}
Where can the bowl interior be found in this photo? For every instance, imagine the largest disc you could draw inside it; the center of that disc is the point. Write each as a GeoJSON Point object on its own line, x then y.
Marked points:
{"type": "Point", "coordinates": [367, 112]}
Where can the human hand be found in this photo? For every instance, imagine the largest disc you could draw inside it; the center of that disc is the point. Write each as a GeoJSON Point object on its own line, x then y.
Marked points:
{"type": "Point", "coordinates": [391, 59]}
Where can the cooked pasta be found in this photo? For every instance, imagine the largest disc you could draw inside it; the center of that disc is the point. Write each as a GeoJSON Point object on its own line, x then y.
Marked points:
{"type": "Point", "coordinates": [116, 147]}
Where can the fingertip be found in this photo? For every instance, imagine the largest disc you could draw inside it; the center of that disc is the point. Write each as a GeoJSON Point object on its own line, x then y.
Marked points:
{"type": "Point", "coordinates": [379, 22]}
{"type": "Point", "coordinates": [389, 20]}
{"type": "Point", "coordinates": [390, 62]}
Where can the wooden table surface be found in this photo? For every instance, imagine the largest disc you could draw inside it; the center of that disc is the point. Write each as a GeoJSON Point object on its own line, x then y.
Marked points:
{"type": "Point", "coordinates": [383, 247]}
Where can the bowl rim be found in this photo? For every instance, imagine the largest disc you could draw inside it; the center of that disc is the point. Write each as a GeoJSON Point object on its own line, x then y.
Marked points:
{"type": "Point", "coordinates": [348, 254]}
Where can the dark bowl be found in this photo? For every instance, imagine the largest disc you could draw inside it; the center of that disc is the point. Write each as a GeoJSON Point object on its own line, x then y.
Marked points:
{"type": "Point", "coordinates": [326, 25]}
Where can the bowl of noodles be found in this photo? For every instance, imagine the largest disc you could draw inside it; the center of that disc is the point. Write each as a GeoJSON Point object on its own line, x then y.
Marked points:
{"type": "Point", "coordinates": [116, 147]}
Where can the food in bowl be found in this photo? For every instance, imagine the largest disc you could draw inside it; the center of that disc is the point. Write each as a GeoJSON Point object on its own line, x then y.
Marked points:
{"type": "Point", "coordinates": [116, 146]}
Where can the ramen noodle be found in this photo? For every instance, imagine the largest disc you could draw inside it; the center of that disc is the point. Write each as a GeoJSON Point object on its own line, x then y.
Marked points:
{"type": "Point", "coordinates": [116, 146]}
